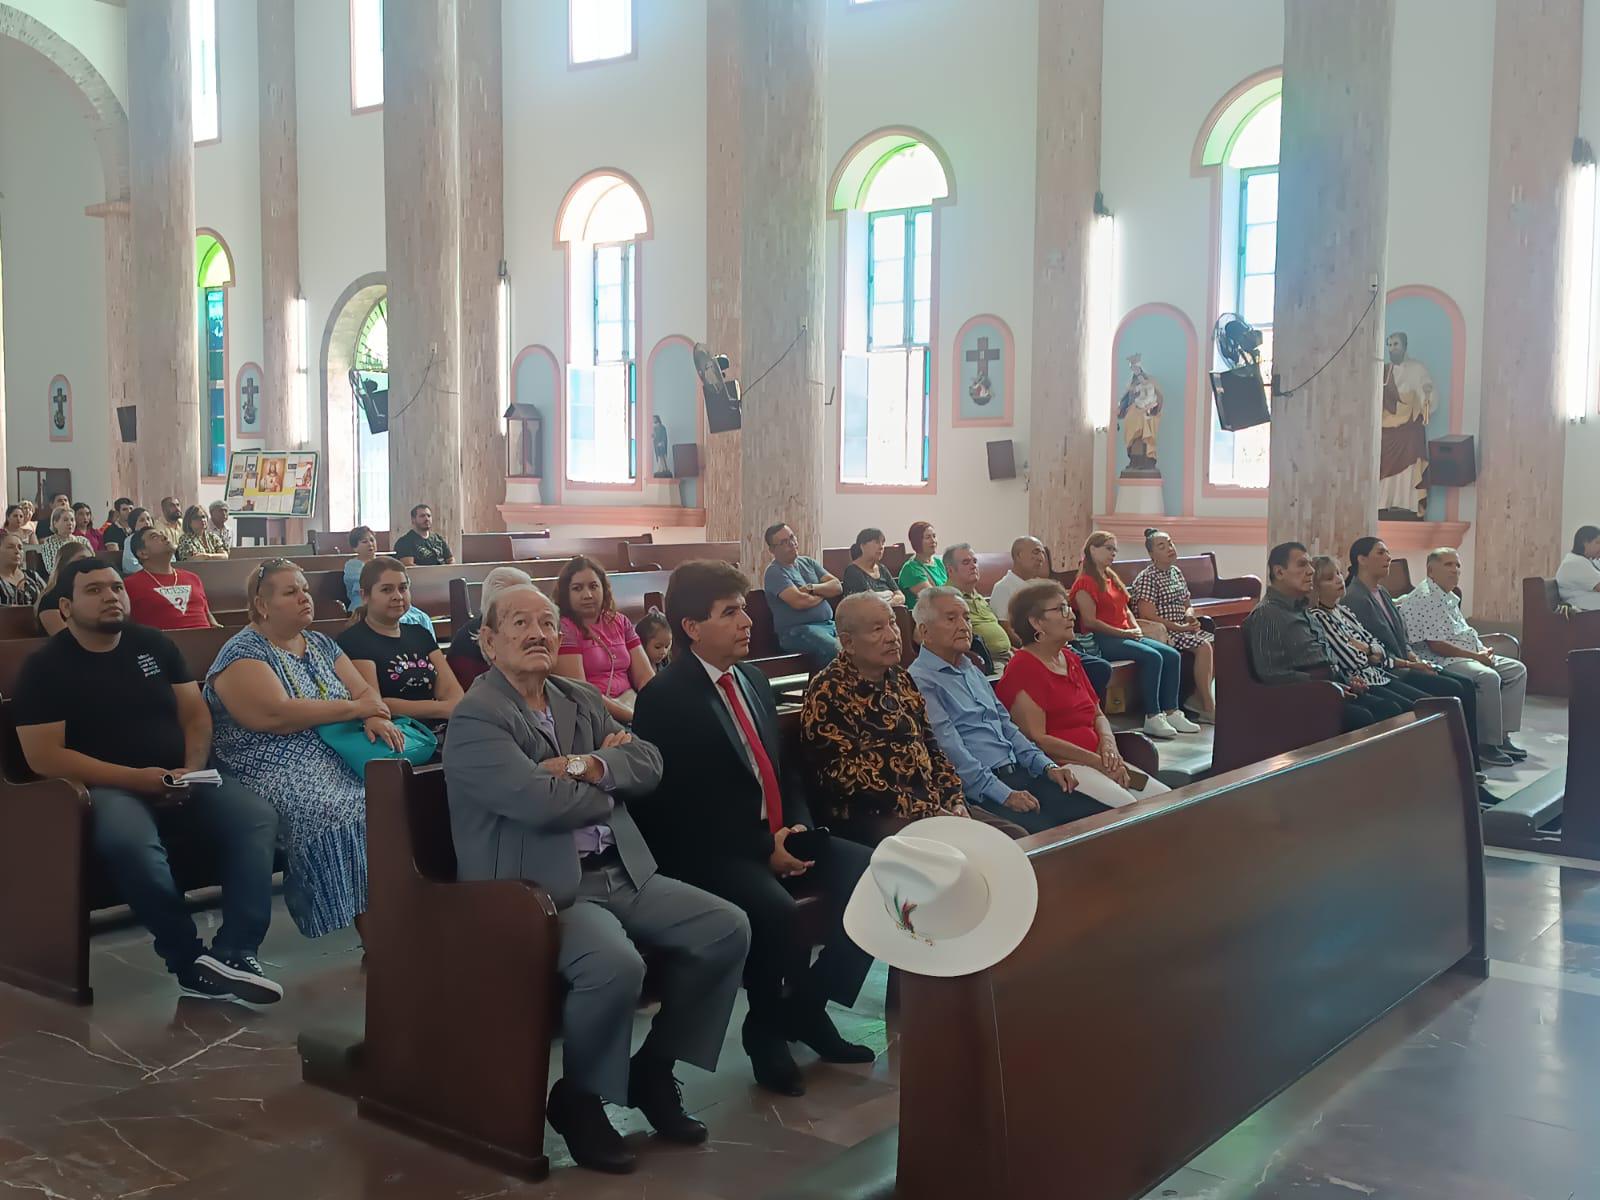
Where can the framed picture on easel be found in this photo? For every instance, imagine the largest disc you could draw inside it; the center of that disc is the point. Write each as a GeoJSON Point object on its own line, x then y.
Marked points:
{"type": "Point", "coordinates": [268, 483]}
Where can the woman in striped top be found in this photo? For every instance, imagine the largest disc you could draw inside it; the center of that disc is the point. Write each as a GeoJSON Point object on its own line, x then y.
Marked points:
{"type": "Point", "coordinates": [1357, 650]}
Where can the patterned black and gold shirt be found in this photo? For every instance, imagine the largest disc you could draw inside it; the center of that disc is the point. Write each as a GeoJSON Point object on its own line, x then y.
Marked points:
{"type": "Point", "coordinates": [869, 746]}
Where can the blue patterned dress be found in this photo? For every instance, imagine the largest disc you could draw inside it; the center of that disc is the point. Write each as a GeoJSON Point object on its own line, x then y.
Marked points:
{"type": "Point", "coordinates": [321, 803]}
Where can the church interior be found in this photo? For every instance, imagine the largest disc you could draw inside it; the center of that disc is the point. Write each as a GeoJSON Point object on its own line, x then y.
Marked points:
{"type": "Point", "coordinates": [1289, 309]}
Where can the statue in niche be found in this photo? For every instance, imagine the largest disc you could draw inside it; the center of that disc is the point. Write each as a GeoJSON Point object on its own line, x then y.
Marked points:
{"type": "Point", "coordinates": [1407, 404]}
{"type": "Point", "coordinates": [1139, 410]}
{"type": "Point", "coordinates": [660, 445]}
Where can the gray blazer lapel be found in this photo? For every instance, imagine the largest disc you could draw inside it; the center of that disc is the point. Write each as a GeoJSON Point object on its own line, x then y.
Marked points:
{"type": "Point", "coordinates": [565, 715]}
{"type": "Point", "coordinates": [518, 705]}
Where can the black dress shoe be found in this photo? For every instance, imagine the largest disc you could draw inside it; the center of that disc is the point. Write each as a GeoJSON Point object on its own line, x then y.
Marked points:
{"type": "Point", "coordinates": [580, 1119]}
{"type": "Point", "coordinates": [1516, 752]}
{"type": "Point", "coordinates": [812, 1026]}
{"type": "Point", "coordinates": [774, 1066]}
{"type": "Point", "coordinates": [1493, 756]}
{"type": "Point", "coordinates": [655, 1093]}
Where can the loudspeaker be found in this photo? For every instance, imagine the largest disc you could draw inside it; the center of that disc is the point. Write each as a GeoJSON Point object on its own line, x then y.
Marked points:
{"type": "Point", "coordinates": [686, 460]}
{"type": "Point", "coordinates": [1002, 459]}
{"type": "Point", "coordinates": [128, 422]}
{"type": "Point", "coordinates": [1240, 397]}
{"type": "Point", "coordinates": [1452, 461]}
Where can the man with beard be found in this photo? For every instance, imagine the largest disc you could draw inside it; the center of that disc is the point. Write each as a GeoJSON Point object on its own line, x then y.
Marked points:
{"type": "Point", "coordinates": [113, 707]}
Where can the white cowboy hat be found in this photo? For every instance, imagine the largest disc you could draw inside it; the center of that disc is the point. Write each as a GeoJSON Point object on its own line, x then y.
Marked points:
{"type": "Point", "coordinates": [947, 896]}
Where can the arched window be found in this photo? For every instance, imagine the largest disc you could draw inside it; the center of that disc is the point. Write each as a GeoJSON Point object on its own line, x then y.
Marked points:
{"type": "Point", "coordinates": [366, 55]}
{"type": "Point", "coordinates": [203, 70]}
{"type": "Point", "coordinates": [887, 191]}
{"type": "Point", "coordinates": [371, 364]}
{"type": "Point", "coordinates": [599, 30]}
{"type": "Point", "coordinates": [1241, 147]}
{"type": "Point", "coordinates": [602, 222]}
{"type": "Point", "coordinates": [215, 276]}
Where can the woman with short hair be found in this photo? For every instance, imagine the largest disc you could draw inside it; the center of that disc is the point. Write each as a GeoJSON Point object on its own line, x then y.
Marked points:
{"type": "Point", "coordinates": [272, 686]}
{"type": "Point", "coordinates": [1052, 702]}
{"type": "Point", "coordinates": [1161, 596]}
{"type": "Point", "coordinates": [598, 644]}
{"type": "Point", "coordinates": [62, 524]}
{"type": "Point", "coordinates": [1578, 576]}
{"type": "Point", "coordinates": [48, 606]}
{"type": "Point", "coordinates": [401, 660]}
{"type": "Point", "coordinates": [199, 542]}
{"type": "Point", "coordinates": [466, 656]}
{"type": "Point", "coordinates": [866, 572]}
{"type": "Point", "coordinates": [19, 587]}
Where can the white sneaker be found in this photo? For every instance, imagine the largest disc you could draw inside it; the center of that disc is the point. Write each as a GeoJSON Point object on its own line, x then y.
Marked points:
{"type": "Point", "coordinates": [1181, 723]}
{"type": "Point", "coordinates": [1157, 726]}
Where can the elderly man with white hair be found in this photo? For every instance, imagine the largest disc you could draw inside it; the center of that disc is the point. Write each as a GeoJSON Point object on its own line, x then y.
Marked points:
{"type": "Point", "coordinates": [1000, 769]}
{"type": "Point", "coordinates": [539, 776]}
{"type": "Point", "coordinates": [465, 657]}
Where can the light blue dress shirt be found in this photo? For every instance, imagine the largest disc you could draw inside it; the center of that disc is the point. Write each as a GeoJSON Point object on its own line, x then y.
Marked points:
{"type": "Point", "coordinates": [972, 726]}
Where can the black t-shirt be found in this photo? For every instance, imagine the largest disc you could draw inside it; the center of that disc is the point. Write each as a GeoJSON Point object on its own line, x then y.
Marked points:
{"type": "Point", "coordinates": [430, 551]}
{"type": "Point", "coordinates": [119, 705]}
{"type": "Point", "coordinates": [464, 642]}
{"type": "Point", "coordinates": [405, 671]}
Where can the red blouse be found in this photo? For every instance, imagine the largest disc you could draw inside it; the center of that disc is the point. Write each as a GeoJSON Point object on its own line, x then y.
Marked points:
{"type": "Point", "coordinates": [1069, 703]}
{"type": "Point", "coordinates": [1110, 599]}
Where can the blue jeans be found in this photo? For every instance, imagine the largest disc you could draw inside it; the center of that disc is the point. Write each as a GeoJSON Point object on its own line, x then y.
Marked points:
{"type": "Point", "coordinates": [235, 824]}
{"type": "Point", "coordinates": [1096, 668]}
{"type": "Point", "coordinates": [1160, 668]}
{"type": "Point", "coordinates": [818, 642]}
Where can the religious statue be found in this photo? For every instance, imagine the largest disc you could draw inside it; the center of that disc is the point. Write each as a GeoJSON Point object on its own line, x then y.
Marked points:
{"type": "Point", "coordinates": [661, 447]}
{"type": "Point", "coordinates": [1408, 400]}
{"type": "Point", "coordinates": [1140, 412]}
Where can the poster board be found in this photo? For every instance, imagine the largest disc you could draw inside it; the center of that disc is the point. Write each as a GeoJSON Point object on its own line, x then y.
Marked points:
{"type": "Point", "coordinates": [271, 483]}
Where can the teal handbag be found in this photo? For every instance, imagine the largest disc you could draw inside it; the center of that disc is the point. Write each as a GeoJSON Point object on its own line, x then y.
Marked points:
{"type": "Point", "coordinates": [349, 741]}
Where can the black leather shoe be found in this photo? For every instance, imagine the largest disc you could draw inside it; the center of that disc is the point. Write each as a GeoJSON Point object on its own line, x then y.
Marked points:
{"type": "Point", "coordinates": [1493, 756]}
{"type": "Point", "coordinates": [1516, 752]}
{"type": "Point", "coordinates": [813, 1026]}
{"type": "Point", "coordinates": [769, 1054]}
{"type": "Point", "coordinates": [655, 1093]}
{"type": "Point", "coordinates": [580, 1119]}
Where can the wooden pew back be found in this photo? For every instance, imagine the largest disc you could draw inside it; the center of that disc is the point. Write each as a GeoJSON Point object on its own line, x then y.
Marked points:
{"type": "Point", "coordinates": [836, 559]}
{"type": "Point", "coordinates": [1191, 956]}
{"type": "Point", "coordinates": [631, 590]}
{"type": "Point", "coordinates": [18, 621]}
{"type": "Point", "coordinates": [1398, 580]}
{"type": "Point", "coordinates": [302, 550]}
{"type": "Point", "coordinates": [610, 552]}
{"type": "Point", "coordinates": [1580, 813]}
{"type": "Point", "coordinates": [227, 580]}
{"type": "Point", "coordinates": [1256, 720]}
{"type": "Point", "coordinates": [495, 547]}
{"type": "Point", "coordinates": [337, 541]}
{"type": "Point", "coordinates": [665, 556]}
{"type": "Point", "coordinates": [1551, 639]}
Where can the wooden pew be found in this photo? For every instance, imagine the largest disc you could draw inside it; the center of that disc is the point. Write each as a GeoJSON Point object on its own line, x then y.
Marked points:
{"type": "Point", "coordinates": [631, 590]}
{"type": "Point", "coordinates": [18, 621]}
{"type": "Point", "coordinates": [1256, 720]}
{"type": "Point", "coordinates": [610, 552]}
{"type": "Point", "coordinates": [1549, 637]}
{"type": "Point", "coordinates": [227, 581]}
{"type": "Point", "coordinates": [463, 1000]}
{"type": "Point", "coordinates": [836, 559]}
{"type": "Point", "coordinates": [494, 547]}
{"type": "Point", "coordinates": [1225, 601]}
{"type": "Point", "coordinates": [50, 882]}
{"type": "Point", "coordinates": [1398, 580]}
{"type": "Point", "coordinates": [789, 673]}
{"type": "Point", "coordinates": [338, 541]}
{"type": "Point", "coordinates": [1580, 813]}
{"type": "Point", "coordinates": [664, 556]}
{"type": "Point", "coordinates": [1149, 1012]}
{"type": "Point", "coordinates": [305, 550]}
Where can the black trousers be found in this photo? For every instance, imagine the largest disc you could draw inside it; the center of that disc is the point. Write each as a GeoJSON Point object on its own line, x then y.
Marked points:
{"type": "Point", "coordinates": [1369, 708]}
{"type": "Point", "coordinates": [1440, 684]}
{"type": "Point", "coordinates": [777, 954]}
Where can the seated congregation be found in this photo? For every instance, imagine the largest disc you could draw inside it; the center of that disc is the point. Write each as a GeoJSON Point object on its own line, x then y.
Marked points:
{"type": "Point", "coordinates": [643, 772]}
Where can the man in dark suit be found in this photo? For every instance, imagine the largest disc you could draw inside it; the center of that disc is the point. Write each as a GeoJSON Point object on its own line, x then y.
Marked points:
{"type": "Point", "coordinates": [541, 779]}
{"type": "Point", "coordinates": [721, 818]}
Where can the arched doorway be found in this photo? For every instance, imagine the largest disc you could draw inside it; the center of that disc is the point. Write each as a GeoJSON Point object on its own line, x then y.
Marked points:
{"type": "Point", "coordinates": [356, 340]}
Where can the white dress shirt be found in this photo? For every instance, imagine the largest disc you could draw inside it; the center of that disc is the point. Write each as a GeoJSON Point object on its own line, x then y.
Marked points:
{"type": "Point", "coordinates": [738, 729]}
{"type": "Point", "coordinates": [1576, 579]}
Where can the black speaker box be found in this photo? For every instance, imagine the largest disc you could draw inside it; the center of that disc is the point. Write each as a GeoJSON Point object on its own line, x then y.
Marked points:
{"type": "Point", "coordinates": [1002, 460]}
{"type": "Point", "coordinates": [128, 422]}
{"type": "Point", "coordinates": [1452, 461]}
{"type": "Point", "coordinates": [1240, 397]}
{"type": "Point", "coordinates": [685, 460]}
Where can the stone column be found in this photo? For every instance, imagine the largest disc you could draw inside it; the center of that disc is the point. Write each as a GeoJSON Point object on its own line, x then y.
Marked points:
{"type": "Point", "coordinates": [783, 135]}
{"type": "Point", "coordinates": [721, 474]}
{"type": "Point", "coordinates": [422, 212]}
{"type": "Point", "coordinates": [280, 229]}
{"type": "Point", "coordinates": [1521, 432]}
{"type": "Point", "coordinates": [164, 320]}
{"type": "Point", "coordinates": [124, 471]}
{"type": "Point", "coordinates": [483, 224]}
{"type": "Point", "coordinates": [1333, 232]}
{"type": "Point", "coordinates": [1060, 423]}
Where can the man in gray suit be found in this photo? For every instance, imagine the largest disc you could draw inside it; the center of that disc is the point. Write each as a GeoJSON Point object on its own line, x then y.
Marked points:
{"type": "Point", "coordinates": [538, 772]}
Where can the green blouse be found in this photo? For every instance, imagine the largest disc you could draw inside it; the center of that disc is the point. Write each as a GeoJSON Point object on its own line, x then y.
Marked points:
{"type": "Point", "coordinates": [914, 574]}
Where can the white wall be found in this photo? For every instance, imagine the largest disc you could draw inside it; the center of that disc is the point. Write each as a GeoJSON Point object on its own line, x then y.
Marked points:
{"type": "Point", "coordinates": [54, 274]}
{"type": "Point", "coordinates": [98, 29]}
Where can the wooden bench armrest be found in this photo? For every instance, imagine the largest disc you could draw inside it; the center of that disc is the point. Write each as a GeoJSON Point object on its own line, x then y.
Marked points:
{"type": "Point", "coordinates": [1138, 752]}
{"type": "Point", "coordinates": [1244, 587]}
{"type": "Point", "coordinates": [1504, 644]}
{"type": "Point", "coordinates": [44, 904]}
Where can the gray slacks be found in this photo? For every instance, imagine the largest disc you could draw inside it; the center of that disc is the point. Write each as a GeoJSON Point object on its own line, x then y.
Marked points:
{"type": "Point", "coordinates": [1501, 691]}
{"type": "Point", "coordinates": [702, 942]}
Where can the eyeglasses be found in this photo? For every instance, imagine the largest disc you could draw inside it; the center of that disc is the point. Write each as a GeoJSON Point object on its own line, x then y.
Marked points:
{"type": "Point", "coordinates": [1060, 610]}
{"type": "Point", "coordinates": [788, 541]}
{"type": "Point", "coordinates": [271, 564]}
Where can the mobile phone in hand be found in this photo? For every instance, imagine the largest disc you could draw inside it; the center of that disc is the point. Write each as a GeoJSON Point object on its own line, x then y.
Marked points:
{"type": "Point", "coordinates": [808, 845]}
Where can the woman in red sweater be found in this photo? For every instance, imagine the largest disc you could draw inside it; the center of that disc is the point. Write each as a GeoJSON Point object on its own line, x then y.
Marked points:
{"type": "Point", "coordinates": [1101, 604]}
{"type": "Point", "coordinates": [1050, 699]}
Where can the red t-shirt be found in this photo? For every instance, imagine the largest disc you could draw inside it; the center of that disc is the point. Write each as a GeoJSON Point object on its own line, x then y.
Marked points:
{"type": "Point", "coordinates": [1069, 703]}
{"type": "Point", "coordinates": [1110, 600]}
{"type": "Point", "coordinates": [176, 601]}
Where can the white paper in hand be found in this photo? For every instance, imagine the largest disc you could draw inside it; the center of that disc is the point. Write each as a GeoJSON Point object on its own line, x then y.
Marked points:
{"type": "Point", "coordinates": [184, 780]}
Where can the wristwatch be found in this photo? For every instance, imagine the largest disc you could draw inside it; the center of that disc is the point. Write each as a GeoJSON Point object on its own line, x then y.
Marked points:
{"type": "Point", "coordinates": [577, 766]}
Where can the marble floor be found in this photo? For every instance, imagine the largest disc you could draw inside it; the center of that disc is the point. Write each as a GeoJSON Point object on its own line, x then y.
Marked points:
{"type": "Point", "coordinates": [1471, 1090]}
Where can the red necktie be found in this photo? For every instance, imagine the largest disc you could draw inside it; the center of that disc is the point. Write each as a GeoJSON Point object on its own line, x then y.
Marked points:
{"type": "Point", "coordinates": [769, 778]}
